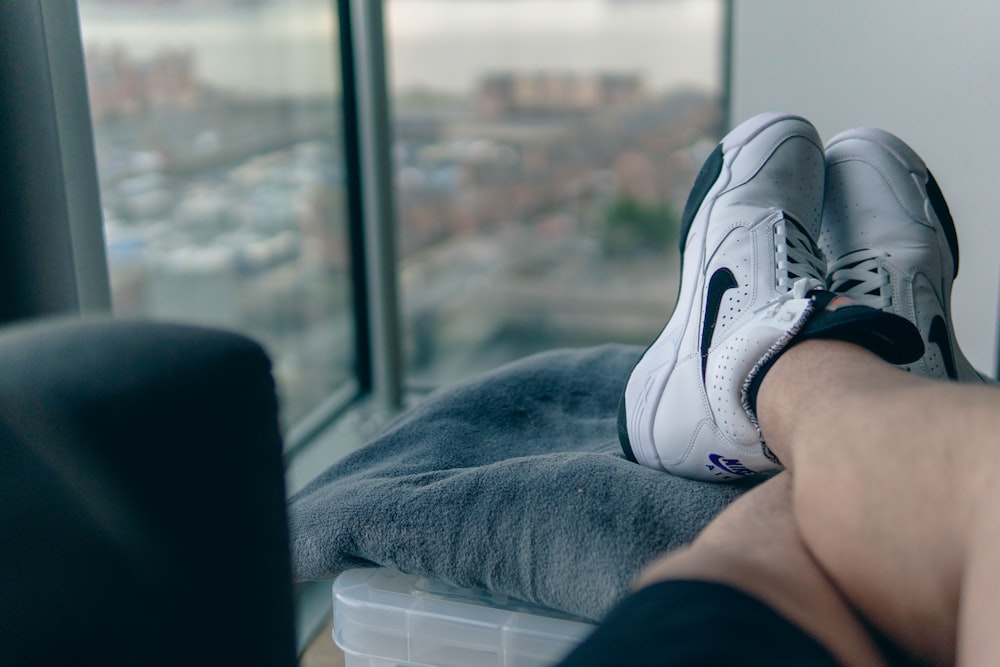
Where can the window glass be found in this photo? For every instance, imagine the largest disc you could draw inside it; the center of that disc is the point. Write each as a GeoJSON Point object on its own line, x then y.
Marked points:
{"type": "Point", "coordinates": [218, 141]}
{"type": "Point", "coordinates": [545, 149]}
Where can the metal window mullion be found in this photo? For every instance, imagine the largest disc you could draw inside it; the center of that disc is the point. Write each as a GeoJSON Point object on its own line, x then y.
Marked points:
{"type": "Point", "coordinates": [51, 241]}
{"type": "Point", "coordinates": [354, 210]}
{"type": "Point", "coordinates": [78, 160]}
{"type": "Point", "coordinates": [726, 97]}
{"type": "Point", "coordinates": [378, 200]}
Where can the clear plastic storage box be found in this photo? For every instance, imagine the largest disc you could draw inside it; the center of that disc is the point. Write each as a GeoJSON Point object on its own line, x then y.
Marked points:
{"type": "Point", "coordinates": [383, 618]}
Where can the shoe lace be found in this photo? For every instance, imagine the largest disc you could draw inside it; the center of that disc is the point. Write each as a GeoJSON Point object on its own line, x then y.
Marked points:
{"type": "Point", "coordinates": [800, 290]}
{"type": "Point", "coordinates": [859, 276]}
{"type": "Point", "coordinates": [797, 256]}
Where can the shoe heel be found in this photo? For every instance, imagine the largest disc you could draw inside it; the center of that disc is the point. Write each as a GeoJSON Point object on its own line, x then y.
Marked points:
{"type": "Point", "coordinates": [754, 126]}
{"type": "Point", "coordinates": [912, 162]}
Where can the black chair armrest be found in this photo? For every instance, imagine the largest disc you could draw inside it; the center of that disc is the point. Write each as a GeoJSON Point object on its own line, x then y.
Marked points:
{"type": "Point", "coordinates": [141, 498]}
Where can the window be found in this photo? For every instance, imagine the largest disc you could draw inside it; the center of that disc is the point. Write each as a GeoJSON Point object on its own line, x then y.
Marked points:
{"type": "Point", "coordinates": [544, 151]}
{"type": "Point", "coordinates": [217, 130]}
{"type": "Point", "coordinates": [542, 158]}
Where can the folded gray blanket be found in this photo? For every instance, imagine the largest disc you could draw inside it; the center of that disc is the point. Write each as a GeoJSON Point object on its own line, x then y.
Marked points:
{"type": "Point", "coordinates": [513, 482]}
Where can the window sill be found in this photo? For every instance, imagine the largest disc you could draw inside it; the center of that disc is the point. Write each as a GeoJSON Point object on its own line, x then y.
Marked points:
{"type": "Point", "coordinates": [344, 430]}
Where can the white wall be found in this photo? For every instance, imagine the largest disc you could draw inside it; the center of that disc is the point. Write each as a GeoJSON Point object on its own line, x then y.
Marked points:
{"type": "Point", "coordinates": [926, 70]}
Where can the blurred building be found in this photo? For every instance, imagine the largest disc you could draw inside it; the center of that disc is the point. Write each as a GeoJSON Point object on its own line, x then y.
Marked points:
{"type": "Point", "coordinates": [505, 94]}
{"type": "Point", "coordinates": [123, 86]}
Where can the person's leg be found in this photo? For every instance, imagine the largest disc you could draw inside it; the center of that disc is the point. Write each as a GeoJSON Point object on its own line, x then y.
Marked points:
{"type": "Point", "coordinates": [979, 609]}
{"type": "Point", "coordinates": [893, 490]}
{"type": "Point", "coordinates": [746, 592]}
{"type": "Point", "coordinates": [888, 515]}
{"type": "Point", "coordinates": [922, 452]}
{"type": "Point", "coordinates": [754, 546]}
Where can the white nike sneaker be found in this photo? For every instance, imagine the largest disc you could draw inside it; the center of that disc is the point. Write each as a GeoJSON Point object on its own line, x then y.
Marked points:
{"type": "Point", "coordinates": [752, 283]}
{"type": "Point", "coordinates": [891, 241]}
{"type": "Point", "coordinates": [747, 237]}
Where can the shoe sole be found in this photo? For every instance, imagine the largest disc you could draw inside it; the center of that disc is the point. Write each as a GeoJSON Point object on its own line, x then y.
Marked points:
{"type": "Point", "coordinates": [653, 370]}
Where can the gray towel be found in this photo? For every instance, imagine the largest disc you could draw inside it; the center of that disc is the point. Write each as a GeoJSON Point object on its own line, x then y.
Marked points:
{"type": "Point", "coordinates": [512, 481]}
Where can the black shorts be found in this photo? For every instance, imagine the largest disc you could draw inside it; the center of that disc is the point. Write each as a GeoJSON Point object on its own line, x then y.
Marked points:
{"type": "Point", "coordinates": [687, 623]}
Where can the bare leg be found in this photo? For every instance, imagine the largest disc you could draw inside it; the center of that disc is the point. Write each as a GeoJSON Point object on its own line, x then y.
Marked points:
{"type": "Point", "coordinates": [754, 546]}
{"type": "Point", "coordinates": [893, 492]}
{"type": "Point", "coordinates": [979, 643]}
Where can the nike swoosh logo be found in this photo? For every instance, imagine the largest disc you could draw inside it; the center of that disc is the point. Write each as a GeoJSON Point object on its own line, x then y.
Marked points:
{"type": "Point", "coordinates": [939, 336]}
{"type": "Point", "coordinates": [730, 465]}
{"type": "Point", "coordinates": [721, 282]}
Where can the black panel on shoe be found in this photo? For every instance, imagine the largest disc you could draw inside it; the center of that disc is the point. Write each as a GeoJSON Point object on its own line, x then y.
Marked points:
{"type": "Point", "coordinates": [706, 179]}
{"type": "Point", "coordinates": [944, 215]}
{"type": "Point", "coordinates": [721, 282]}
{"type": "Point", "coordinates": [623, 432]}
{"type": "Point", "coordinates": [939, 336]}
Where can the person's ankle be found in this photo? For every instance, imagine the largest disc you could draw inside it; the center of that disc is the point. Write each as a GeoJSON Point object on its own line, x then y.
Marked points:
{"type": "Point", "coordinates": [792, 384]}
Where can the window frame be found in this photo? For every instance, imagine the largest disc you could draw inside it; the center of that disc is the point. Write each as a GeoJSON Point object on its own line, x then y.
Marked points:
{"type": "Point", "coordinates": [49, 168]}
{"type": "Point", "coordinates": [62, 96]}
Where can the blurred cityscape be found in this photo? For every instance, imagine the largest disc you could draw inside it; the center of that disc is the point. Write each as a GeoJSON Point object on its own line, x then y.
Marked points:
{"type": "Point", "coordinates": [540, 209]}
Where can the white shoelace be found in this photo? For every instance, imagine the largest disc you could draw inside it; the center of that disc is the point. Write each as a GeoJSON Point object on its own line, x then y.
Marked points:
{"type": "Point", "coordinates": [796, 257]}
{"type": "Point", "coordinates": [800, 290]}
{"type": "Point", "coordinates": [860, 277]}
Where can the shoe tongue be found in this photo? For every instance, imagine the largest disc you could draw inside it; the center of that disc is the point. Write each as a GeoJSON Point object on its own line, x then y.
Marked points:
{"type": "Point", "coordinates": [835, 317]}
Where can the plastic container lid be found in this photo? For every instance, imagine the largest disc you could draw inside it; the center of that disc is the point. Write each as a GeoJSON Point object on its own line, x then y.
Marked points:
{"type": "Point", "coordinates": [385, 614]}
